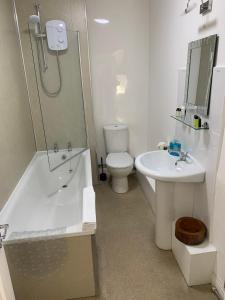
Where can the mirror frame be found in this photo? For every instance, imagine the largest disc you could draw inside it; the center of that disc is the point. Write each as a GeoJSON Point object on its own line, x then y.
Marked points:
{"type": "Point", "coordinates": [212, 40]}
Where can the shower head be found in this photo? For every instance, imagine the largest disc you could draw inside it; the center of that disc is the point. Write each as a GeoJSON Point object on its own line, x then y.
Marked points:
{"type": "Point", "coordinates": [34, 19]}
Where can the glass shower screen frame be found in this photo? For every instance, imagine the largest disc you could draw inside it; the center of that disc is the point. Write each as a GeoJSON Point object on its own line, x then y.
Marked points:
{"type": "Point", "coordinates": [63, 116]}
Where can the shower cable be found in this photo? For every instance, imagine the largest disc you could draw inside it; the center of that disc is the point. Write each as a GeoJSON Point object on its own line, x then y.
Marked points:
{"type": "Point", "coordinates": [47, 92]}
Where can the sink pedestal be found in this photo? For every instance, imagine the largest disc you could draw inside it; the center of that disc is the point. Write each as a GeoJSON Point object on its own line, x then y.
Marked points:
{"type": "Point", "coordinates": [173, 200]}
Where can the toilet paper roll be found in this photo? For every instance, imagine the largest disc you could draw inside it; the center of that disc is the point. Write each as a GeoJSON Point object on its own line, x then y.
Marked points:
{"type": "Point", "coordinates": [162, 146]}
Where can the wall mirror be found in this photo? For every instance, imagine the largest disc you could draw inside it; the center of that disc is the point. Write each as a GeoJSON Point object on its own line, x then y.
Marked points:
{"type": "Point", "coordinates": [200, 63]}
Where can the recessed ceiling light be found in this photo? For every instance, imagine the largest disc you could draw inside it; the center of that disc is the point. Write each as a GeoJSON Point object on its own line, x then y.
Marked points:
{"type": "Point", "coordinates": [101, 21]}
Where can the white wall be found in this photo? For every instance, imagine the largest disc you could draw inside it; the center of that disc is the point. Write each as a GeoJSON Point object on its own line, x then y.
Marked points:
{"type": "Point", "coordinates": [170, 33]}
{"type": "Point", "coordinates": [119, 53]}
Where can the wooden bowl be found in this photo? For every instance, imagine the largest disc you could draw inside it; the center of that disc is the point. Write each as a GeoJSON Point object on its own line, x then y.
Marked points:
{"type": "Point", "coordinates": [190, 231]}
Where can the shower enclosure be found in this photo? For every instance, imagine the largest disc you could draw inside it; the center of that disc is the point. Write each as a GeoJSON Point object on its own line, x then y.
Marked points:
{"type": "Point", "coordinates": [56, 58]}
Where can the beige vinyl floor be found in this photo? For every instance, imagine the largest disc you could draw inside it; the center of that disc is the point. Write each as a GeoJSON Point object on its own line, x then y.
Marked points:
{"type": "Point", "coordinates": [129, 265]}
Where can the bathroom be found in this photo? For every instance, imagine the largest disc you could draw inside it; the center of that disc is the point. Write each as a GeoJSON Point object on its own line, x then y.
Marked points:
{"type": "Point", "coordinates": [83, 214]}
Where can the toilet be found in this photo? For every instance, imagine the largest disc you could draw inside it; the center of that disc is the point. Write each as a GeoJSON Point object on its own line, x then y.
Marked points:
{"type": "Point", "coordinates": [119, 162]}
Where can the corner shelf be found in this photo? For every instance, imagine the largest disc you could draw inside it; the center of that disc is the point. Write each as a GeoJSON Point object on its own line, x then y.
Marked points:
{"type": "Point", "coordinates": [182, 120]}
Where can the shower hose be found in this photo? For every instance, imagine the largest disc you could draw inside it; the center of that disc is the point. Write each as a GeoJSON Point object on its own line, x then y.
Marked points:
{"type": "Point", "coordinates": [47, 92]}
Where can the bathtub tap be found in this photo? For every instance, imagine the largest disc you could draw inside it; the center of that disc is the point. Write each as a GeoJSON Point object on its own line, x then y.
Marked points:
{"type": "Point", "coordinates": [69, 146]}
{"type": "Point", "coordinates": [56, 148]}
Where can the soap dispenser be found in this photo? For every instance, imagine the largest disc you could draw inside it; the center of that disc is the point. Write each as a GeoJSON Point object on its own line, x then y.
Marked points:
{"type": "Point", "coordinates": [174, 148]}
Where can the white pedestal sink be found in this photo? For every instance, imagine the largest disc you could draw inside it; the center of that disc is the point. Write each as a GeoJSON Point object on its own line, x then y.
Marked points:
{"type": "Point", "coordinates": [174, 185]}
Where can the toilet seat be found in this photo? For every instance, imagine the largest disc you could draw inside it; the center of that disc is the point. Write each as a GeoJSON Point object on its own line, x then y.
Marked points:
{"type": "Point", "coordinates": [119, 160]}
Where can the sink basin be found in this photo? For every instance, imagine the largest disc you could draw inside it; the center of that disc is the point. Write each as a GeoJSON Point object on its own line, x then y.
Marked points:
{"type": "Point", "coordinates": [160, 165]}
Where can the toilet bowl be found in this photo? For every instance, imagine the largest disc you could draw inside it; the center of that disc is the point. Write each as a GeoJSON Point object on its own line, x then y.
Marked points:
{"type": "Point", "coordinates": [119, 162]}
{"type": "Point", "coordinates": [119, 166]}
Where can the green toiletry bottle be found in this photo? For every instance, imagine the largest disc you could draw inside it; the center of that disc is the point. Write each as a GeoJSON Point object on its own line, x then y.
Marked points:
{"type": "Point", "coordinates": [196, 122]}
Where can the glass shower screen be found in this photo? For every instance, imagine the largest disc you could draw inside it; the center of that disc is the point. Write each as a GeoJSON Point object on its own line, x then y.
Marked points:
{"type": "Point", "coordinates": [59, 84]}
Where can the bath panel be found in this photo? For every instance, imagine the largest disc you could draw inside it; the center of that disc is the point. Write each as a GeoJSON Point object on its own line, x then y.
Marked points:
{"type": "Point", "coordinates": [52, 269]}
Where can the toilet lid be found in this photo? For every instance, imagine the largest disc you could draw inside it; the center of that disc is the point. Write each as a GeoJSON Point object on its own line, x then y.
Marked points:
{"type": "Point", "coordinates": [119, 160]}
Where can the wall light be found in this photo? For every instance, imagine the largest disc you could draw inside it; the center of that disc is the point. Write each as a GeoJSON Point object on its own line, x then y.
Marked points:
{"type": "Point", "coordinates": [122, 84]}
{"type": "Point", "coordinates": [101, 21]}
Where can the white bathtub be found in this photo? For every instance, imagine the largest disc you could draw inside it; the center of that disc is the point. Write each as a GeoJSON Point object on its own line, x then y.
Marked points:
{"type": "Point", "coordinates": [41, 205]}
{"type": "Point", "coordinates": [51, 217]}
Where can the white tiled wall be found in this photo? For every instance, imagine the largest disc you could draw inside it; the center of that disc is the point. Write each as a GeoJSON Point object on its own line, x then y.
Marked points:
{"type": "Point", "coordinates": [119, 54]}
